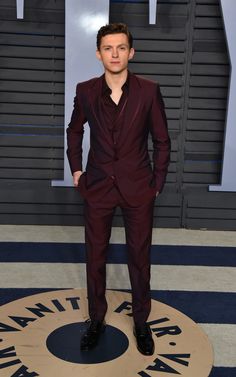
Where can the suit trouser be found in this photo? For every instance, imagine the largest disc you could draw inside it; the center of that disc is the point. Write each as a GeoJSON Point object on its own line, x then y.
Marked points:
{"type": "Point", "coordinates": [138, 223]}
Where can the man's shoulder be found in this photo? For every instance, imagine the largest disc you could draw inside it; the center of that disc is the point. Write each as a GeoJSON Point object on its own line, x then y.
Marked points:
{"type": "Point", "coordinates": [145, 82]}
{"type": "Point", "coordinates": [88, 83]}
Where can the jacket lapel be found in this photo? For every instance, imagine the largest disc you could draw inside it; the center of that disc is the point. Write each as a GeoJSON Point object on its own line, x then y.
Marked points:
{"type": "Point", "coordinates": [133, 105]}
{"type": "Point", "coordinates": [93, 95]}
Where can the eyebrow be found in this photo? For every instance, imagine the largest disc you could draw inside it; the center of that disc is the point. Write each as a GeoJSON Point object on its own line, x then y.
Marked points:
{"type": "Point", "coordinates": [122, 44]}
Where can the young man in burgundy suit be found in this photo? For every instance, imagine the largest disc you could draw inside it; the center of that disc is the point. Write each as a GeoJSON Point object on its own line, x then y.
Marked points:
{"type": "Point", "coordinates": [121, 109]}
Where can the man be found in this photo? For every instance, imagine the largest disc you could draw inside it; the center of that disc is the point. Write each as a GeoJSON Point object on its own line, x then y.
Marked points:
{"type": "Point", "coordinates": [121, 109]}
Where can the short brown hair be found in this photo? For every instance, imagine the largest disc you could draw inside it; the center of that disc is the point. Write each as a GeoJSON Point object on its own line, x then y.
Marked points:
{"type": "Point", "coordinates": [114, 28]}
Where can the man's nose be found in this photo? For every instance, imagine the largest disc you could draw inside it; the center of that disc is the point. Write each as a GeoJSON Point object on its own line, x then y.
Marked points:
{"type": "Point", "coordinates": [114, 53]}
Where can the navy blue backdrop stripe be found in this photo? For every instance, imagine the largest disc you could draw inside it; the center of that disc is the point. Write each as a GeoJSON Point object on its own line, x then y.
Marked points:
{"type": "Point", "coordinates": [48, 252]}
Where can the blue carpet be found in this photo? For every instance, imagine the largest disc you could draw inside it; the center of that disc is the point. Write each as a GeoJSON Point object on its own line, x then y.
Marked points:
{"type": "Point", "coordinates": [49, 252]}
{"type": "Point", "coordinates": [222, 372]}
{"type": "Point", "coordinates": [189, 303]}
{"type": "Point", "coordinates": [202, 307]}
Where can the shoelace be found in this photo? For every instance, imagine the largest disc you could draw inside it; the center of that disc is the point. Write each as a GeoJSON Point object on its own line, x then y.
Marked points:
{"type": "Point", "coordinates": [93, 325]}
{"type": "Point", "coordinates": [143, 331]}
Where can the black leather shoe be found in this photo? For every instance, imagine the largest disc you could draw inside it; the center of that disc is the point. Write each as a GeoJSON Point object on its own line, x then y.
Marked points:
{"type": "Point", "coordinates": [145, 343]}
{"type": "Point", "coordinates": [91, 336]}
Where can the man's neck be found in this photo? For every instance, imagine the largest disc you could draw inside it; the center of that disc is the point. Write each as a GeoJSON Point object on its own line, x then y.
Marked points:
{"type": "Point", "coordinates": [116, 81]}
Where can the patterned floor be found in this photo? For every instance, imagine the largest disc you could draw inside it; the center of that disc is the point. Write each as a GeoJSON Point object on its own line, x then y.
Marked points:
{"type": "Point", "coordinates": [192, 271]}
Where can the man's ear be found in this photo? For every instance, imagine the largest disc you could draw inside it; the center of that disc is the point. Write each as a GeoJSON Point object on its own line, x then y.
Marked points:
{"type": "Point", "coordinates": [131, 53]}
{"type": "Point", "coordinates": [98, 55]}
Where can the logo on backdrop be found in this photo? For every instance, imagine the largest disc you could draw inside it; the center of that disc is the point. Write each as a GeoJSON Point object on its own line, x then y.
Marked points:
{"type": "Point", "coordinates": [40, 336]}
{"type": "Point", "coordinates": [83, 19]}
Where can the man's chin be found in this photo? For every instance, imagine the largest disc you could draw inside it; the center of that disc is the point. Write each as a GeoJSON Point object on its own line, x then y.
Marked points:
{"type": "Point", "coordinates": [117, 71]}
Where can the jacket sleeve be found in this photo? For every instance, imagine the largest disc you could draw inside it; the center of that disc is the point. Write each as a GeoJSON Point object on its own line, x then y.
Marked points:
{"type": "Point", "coordinates": [160, 139]}
{"type": "Point", "coordinates": [75, 132]}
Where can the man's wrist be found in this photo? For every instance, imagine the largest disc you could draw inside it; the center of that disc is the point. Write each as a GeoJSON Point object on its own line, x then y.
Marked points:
{"type": "Point", "coordinates": [76, 177]}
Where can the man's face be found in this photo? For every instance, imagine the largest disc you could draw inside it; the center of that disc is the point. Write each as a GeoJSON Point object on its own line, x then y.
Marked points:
{"type": "Point", "coordinates": [115, 52]}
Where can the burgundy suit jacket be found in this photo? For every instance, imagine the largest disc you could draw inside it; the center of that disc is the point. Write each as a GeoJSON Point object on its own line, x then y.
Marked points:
{"type": "Point", "coordinates": [129, 160]}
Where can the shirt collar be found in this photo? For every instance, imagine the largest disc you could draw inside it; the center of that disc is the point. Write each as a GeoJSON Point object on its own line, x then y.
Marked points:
{"type": "Point", "coordinates": [107, 91]}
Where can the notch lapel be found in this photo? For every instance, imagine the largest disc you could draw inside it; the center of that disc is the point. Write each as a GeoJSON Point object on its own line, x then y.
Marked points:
{"type": "Point", "coordinates": [94, 95]}
{"type": "Point", "coordinates": [133, 105]}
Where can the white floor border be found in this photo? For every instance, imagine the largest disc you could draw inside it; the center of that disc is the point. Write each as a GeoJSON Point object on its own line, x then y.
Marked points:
{"type": "Point", "coordinates": [73, 234]}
